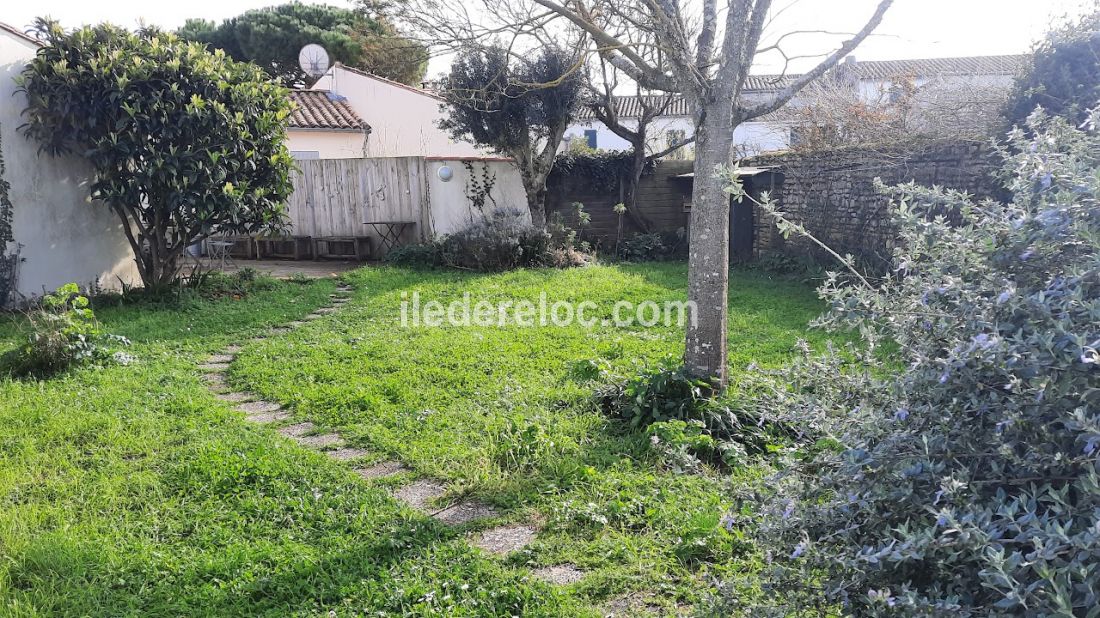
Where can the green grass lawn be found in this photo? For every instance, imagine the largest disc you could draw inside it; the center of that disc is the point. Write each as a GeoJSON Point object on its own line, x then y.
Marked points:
{"type": "Point", "coordinates": [133, 491]}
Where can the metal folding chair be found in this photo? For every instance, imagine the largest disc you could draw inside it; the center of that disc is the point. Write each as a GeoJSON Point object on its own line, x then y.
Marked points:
{"type": "Point", "coordinates": [218, 249]}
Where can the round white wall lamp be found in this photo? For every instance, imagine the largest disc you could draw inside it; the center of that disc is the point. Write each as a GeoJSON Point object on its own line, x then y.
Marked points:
{"type": "Point", "coordinates": [445, 173]}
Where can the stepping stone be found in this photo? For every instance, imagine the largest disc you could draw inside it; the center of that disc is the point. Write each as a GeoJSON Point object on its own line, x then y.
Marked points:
{"type": "Point", "coordinates": [505, 539]}
{"type": "Point", "coordinates": [380, 470]}
{"type": "Point", "coordinates": [419, 494]}
{"type": "Point", "coordinates": [464, 512]}
{"type": "Point", "coordinates": [633, 605]}
{"type": "Point", "coordinates": [220, 358]}
{"type": "Point", "coordinates": [235, 397]}
{"type": "Point", "coordinates": [214, 366]}
{"type": "Point", "coordinates": [215, 381]}
{"type": "Point", "coordinates": [233, 349]}
{"type": "Point", "coordinates": [320, 441]}
{"type": "Point", "coordinates": [298, 429]}
{"type": "Point", "coordinates": [312, 316]}
{"type": "Point", "coordinates": [253, 407]}
{"type": "Point", "coordinates": [325, 311]}
{"type": "Point", "coordinates": [347, 453]}
{"type": "Point", "coordinates": [279, 330]}
{"type": "Point", "coordinates": [560, 574]}
{"type": "Point", "coordinates": [296, 324]}
{"type": "Point", "coordinates": [268, 417]}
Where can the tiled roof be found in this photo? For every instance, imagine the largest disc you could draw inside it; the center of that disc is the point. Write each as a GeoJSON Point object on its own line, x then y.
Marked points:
{"type": "Point", "coordinates": [321, 109]}
{"type": "Point", "coordinates": [767, 82]}
{"type": "Point", "coordinates": [19, 33]}
{"type": "Point", "coordinates": [631, 107]}
{"type": "Point", "coordinates": [932, 67]}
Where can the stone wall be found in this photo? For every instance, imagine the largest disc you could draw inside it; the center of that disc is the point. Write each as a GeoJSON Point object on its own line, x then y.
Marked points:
{"type": "Point", "coordinates": [833, 194]}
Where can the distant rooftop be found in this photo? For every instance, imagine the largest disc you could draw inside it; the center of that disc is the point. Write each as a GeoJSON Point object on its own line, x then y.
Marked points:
{"type": "Point", "coordinates": [321, 109]}
{"type": "Point", "coordinates": [927, 67]}
{"type": "Point", "coordinates": [631, 106]}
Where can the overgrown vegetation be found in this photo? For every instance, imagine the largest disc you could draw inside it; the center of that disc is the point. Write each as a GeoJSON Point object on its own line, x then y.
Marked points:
{"type": "Point", "coordinates": [505, 240]}
{"type": "Point", "coordinates": [1064, 76]}
{"type": "Point", "coordinates": [63, 333]}
{"type": "Point", "coordinates": [8, 261]}
{"type": "Point", "coordinates": [964, 484]}
{"type": "Point", "coordinates": [601, 171]}
{"type": "Point", "coordinates": [668, 393]}
{"type": "Point", "coordinates": [124, 487]}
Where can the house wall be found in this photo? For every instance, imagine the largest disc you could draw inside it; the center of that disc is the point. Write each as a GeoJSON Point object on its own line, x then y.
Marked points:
{"type": "Point", "coordinates": [326, 144]}
{"type": "Point", "coordinates": [659, 130]}
{"type": "Point", "coordinates": [403, 120]}
{"type": "Point", "coordinates": [751, 138]}
{"type": "Point", "coordinates": [450, 206]}
{"type": "Point", "coordinates": [64, 237]}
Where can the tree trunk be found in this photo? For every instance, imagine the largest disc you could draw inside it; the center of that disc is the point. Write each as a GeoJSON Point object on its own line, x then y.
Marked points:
{"type": "Point", "coordinates": [537, 206]}
{"type": "Point", "coordinates": [630, 199]}
{"type": "Point", "coordinates": [708, 266]}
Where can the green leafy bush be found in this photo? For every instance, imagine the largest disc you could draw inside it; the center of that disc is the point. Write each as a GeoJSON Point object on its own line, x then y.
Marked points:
{"type": "Point", "coordinates": [652, 247]}
{"type": "Point", "coordinates": [671, 393]}
{"type": "Point", "coordinates": [420, 255]}
{"type": "Point", "coordinates": [64, 333]}
{"type": "Point", "coordinates": [785, 265]}
{"type": "Point", "coordinates": [184, 142]}
{"type": "Point", "coordinates": [967, 483]}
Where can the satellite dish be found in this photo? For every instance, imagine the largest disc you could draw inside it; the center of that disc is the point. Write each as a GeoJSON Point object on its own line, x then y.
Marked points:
{"type": "Point", "coordinates": [313, 60]}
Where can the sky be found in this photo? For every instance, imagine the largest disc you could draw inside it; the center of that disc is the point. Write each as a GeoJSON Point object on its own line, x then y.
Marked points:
{"type": "Point", "coordinates": [911, 29]}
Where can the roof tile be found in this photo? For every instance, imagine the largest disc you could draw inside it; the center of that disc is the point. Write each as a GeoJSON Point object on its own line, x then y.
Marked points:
{"type": "Point", "coordinates": [321, 109]}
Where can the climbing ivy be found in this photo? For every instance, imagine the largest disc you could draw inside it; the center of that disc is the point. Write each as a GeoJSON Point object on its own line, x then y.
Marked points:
{"type": "Point", "coordinates": [479, 190]}
{"type": "Point", "coordinates": [7, 236]}
{"type": "Point", "coordinates": [599, 171]}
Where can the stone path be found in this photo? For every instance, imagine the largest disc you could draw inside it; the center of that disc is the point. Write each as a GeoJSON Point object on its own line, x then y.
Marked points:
{"type": "Point", "coordinates": [424, 495]}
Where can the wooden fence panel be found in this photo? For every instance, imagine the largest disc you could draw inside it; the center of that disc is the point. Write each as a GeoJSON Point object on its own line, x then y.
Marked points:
{"type": "Point", "coordinates": [334, 197]}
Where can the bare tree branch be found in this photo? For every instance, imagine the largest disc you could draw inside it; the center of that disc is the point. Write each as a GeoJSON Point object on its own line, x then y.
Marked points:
{"type": "Point", "coordinates": [802, 81]}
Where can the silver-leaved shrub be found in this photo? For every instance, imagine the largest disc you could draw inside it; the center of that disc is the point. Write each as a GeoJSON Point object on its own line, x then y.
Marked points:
{"type": "Point", "coordinates": [955, 469]}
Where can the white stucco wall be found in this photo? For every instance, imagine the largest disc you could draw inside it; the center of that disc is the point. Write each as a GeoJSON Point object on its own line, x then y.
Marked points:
{"type": "Point", "coordinates": [327, 144]}
{"type": "Point", "coordinates": [64, 237]}
{"type": "Point", "coordinates": [403, 119]}
{"type": "Point", "coordinates": [659, 130]}
{"type": "Point", "coordinates": [751, 138]}
{"type": "Point", "coordinates": [451, 208]}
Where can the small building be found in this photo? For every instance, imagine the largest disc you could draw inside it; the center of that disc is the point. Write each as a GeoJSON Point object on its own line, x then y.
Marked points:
{"type": "Point", "coordinates": [325, 126]}
{"type": "Point", "coordinates": [403, 120]}
{"type": "Point", "coordinates": [61, 236]}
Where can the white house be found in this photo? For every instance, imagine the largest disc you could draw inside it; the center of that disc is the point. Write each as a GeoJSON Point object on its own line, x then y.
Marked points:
{"type": "Point", "coordinates": [956, 84]}
{"type": "Point", "coordinates": [61, 235]}
{"type": "Point", "coordinates": [324, 126]}
{"type": "Point", "coordinates": [402, 119]}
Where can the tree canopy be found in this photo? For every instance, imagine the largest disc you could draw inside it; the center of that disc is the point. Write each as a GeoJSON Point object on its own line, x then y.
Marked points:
{"type": "Point", "coordinates": [184, 142]}
{"type": "Point", "coordinates": [1065, 75]}
{"type": "Point", "coordinates": [272, 37]}
{"type": "Point", "coordinates": [519, 108]}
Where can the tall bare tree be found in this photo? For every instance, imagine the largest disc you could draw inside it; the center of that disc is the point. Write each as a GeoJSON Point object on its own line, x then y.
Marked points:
{"type": "Point", "coordinates": [705, 56]}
